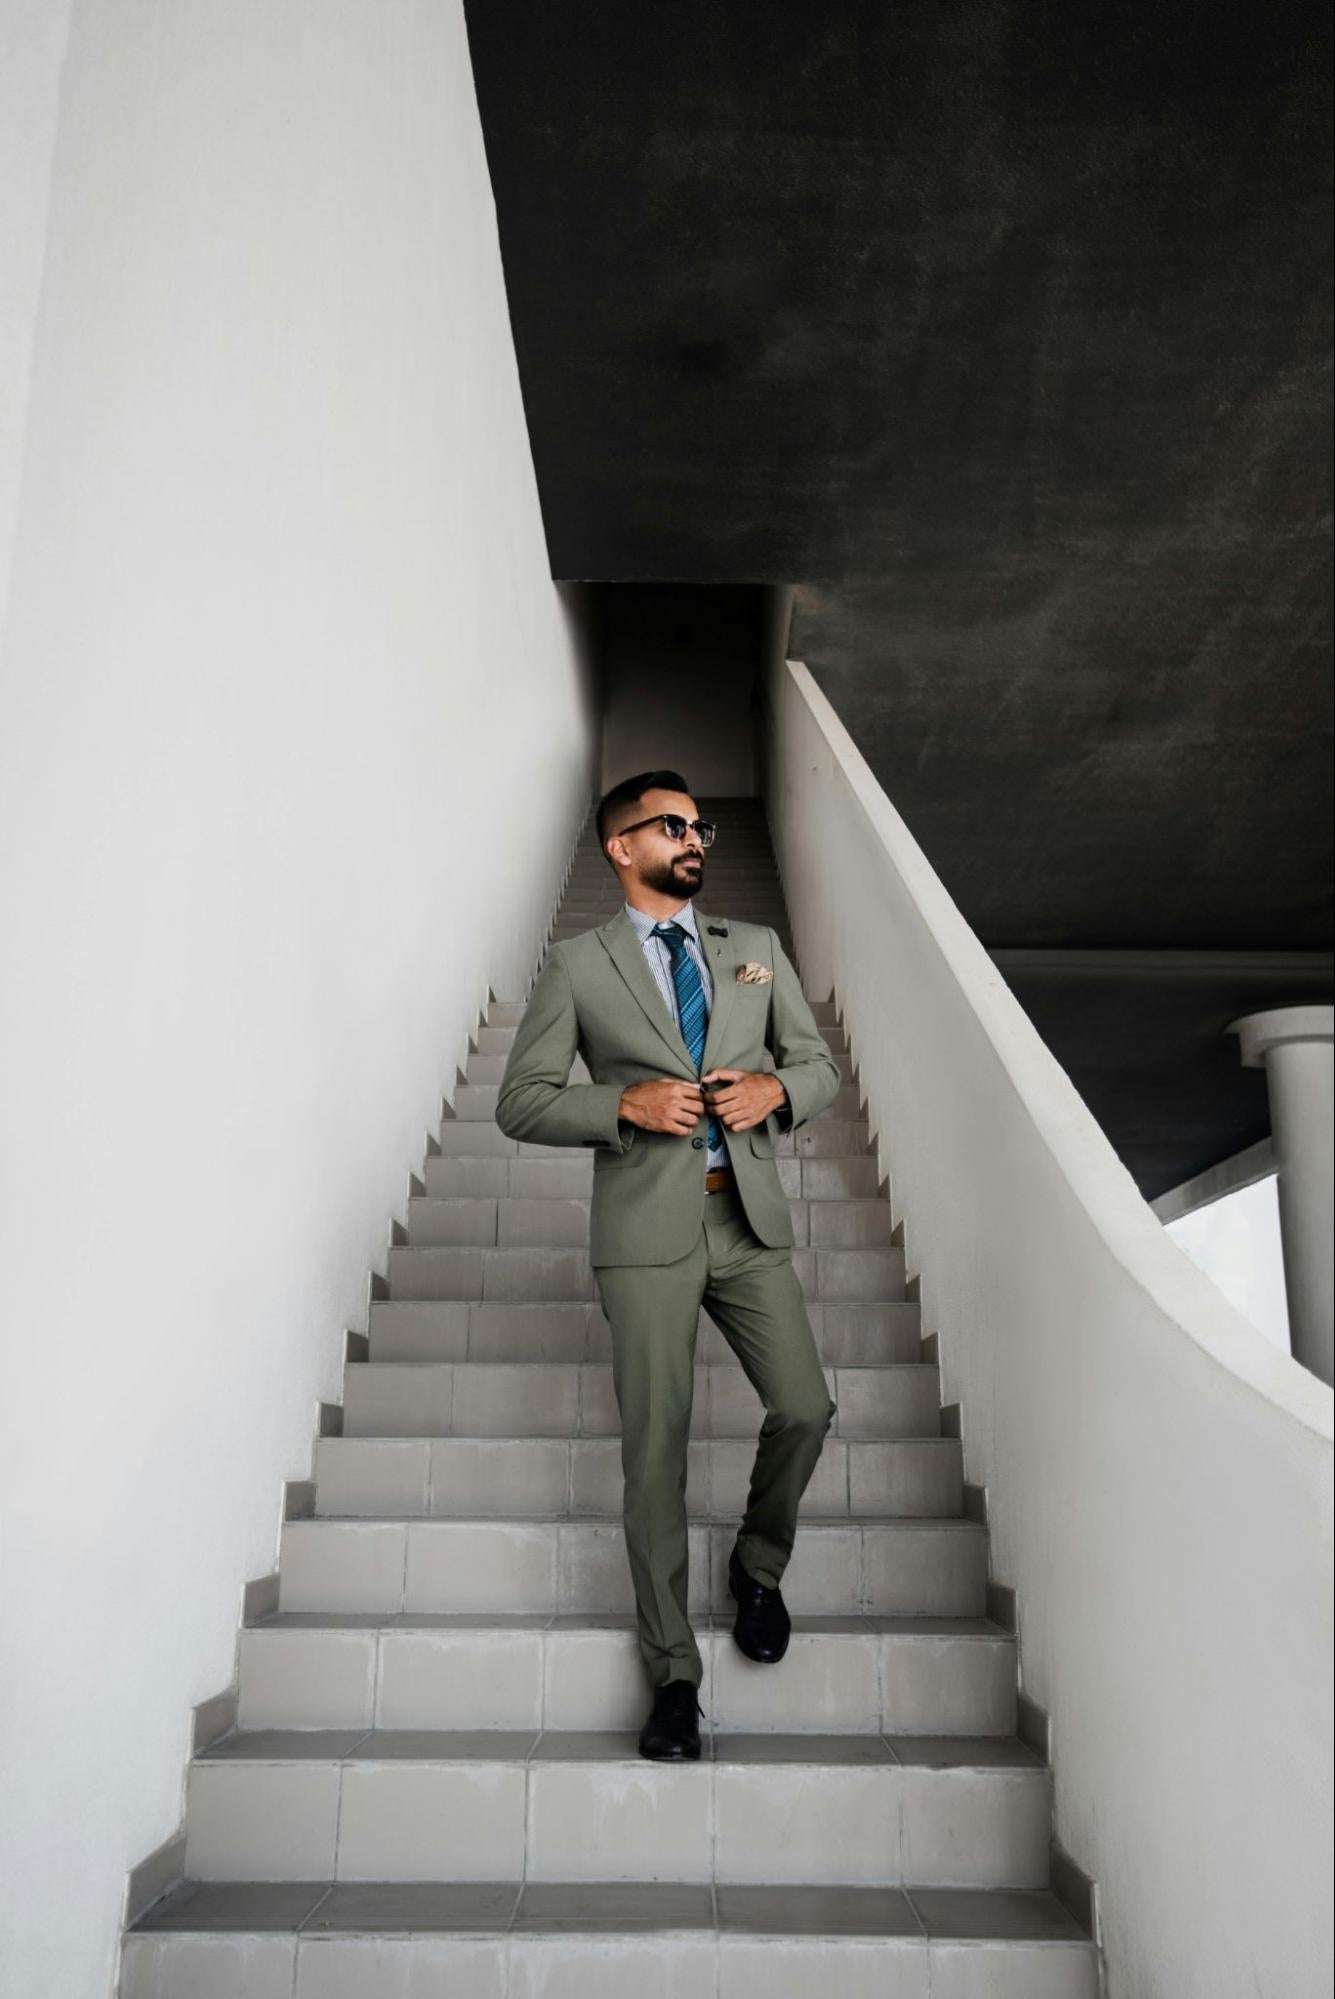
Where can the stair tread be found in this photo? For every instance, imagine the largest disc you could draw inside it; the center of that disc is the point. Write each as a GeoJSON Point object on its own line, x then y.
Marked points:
{"type": "Point", "coordinates": [614, 1745]}
{"type": "Point", "coordinates": [962, 1915]}
{"type": "Point", "coordinates": [612, 1517]}
{"type": "Point", "coordinates": [379, 1306]}
{"type": "Point", "coordinates": [843, 1366]}
{"type": "Point", "coordinates": [828, 1624]}
{"type": "Point", "coordinates": [881, 1249]}
{"type": "Point", "coordinates": [582, 1200]}
{"type": "Point", "coordinates": [818, 1524]}
{"type": "Point", "coordinates": [608, 1438]}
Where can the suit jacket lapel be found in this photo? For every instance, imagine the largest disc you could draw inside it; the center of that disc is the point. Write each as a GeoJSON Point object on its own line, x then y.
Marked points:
{"type": "Point", "coordinates": [627, 955]}
{"type": "Point", "coordinates": [721, 957]}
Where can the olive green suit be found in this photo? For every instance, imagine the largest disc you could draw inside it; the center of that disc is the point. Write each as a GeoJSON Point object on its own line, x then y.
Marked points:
{"type": "Point", "coordinates": [661, 1246]}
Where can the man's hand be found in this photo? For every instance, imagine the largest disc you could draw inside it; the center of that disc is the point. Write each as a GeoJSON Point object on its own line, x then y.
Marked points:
{"type": "Point", "coordinates": [663, 1106]}
{"type": "Point", "coordinates": [749, 1097]}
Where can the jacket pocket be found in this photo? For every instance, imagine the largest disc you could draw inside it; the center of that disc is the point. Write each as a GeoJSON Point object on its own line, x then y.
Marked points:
{"type": "Point", "coordinates": [762, 1140]}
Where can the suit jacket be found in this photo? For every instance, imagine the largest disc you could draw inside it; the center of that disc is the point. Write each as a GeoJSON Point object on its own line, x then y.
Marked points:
{"type": "Point", "coordinates": [596, 996]}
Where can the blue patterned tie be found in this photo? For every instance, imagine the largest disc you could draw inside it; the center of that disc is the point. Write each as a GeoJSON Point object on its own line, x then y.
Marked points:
{"type": "Point", "coordinates": [690, 1003]}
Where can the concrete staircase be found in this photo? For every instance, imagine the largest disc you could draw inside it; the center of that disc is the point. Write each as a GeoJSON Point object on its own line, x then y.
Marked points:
{"type": "Point", "coordinates": [432, 1784]}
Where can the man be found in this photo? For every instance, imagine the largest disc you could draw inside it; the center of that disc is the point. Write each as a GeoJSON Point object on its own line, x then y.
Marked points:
{"type": "Point", "coordinates": [672, 1012]}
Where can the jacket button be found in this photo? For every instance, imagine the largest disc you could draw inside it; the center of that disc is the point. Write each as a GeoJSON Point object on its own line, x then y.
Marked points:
{"type": "Point", "coordinates": [697, 1143]}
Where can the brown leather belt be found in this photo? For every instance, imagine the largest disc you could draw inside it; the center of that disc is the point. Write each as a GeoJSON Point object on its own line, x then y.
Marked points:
{"type": "Point", "coordinates": [718, 1178]}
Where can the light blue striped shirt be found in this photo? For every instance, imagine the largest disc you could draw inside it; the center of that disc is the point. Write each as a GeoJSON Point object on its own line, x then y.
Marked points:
{"type": "Point", "coordinates": [659, 960]}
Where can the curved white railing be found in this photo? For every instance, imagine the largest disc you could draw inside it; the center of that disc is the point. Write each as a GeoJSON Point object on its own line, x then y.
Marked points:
{"type": "Point", "coordinates": [1159, 1477]}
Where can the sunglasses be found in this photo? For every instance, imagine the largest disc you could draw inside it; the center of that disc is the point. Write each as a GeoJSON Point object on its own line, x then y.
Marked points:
{"type": "Point", "coordinates": [675, 827]}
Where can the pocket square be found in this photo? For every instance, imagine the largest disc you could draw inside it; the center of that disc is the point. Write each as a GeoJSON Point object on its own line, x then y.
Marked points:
{"type": "Point", "coordinates": [753, 975]}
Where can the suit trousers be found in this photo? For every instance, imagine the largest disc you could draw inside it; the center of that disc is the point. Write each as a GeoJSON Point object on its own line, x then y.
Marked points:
{"type": "Point", "coordinates": [753, 1295]}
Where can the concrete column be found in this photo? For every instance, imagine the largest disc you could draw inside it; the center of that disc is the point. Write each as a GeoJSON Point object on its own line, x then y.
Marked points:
{"type": "Point", "coordinates": [1294, 1046]}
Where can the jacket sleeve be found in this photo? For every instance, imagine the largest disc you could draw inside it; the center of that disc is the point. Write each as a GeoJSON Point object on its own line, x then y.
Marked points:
{"type": "Point", "coordinates": [802, 1061]}
{"type": "Point", "coordinates": [535, 1100]}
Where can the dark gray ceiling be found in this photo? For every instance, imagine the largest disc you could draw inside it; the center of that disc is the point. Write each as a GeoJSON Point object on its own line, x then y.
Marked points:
{"type": "Point", "coordinates": [823, 292]}
{"type": "Point", "coordinates": [1078, 781]}
{"type": "Point", "coordinates": [1002, 330]}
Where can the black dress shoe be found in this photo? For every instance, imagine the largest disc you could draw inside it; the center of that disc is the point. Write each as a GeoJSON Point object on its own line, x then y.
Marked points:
{"type": "Point", "coordinates": [672, 1731]}
{"type": "Point", "coordinates": [763, 1623]}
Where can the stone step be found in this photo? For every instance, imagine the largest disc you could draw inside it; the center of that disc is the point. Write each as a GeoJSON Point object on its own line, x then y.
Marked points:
{"type": "Point", "coordinates": [907, 1568]}
{"type": "Point", "coordinates": [468, 1329]}
{"type": "Point", "coordinates": [504, 1221]}
{"type": "Point", "coordinates": [483, 1069]}
{"type": "Point", "coordinates": [534, 1398]}
{"type": "Point", "coordinates": [506, 1012]}
{"type": "Point", "coordinates": [493, 1040]}
{"type": "Point", "coordinates": [864, 1276]}
{"type": "Point", "coordinates": [912, 1676]}
{"type": "Point", "coordinates": [473, 1103]}
{"type": "Point", "coordinates": [828, 1136]}
{"type": "Point", "coordinates": [488, 1141]}
{"type": "Point", "coordinates": [846, 1108]}
{"type": "Point", "coordinates": [453, 1478]}
{"type": "Point", "coordinates": [571, 1178]}
{"type": "Point", "coordinates": [487, 1804]}
{"type": "Point", "coordinates": [603, 1940]}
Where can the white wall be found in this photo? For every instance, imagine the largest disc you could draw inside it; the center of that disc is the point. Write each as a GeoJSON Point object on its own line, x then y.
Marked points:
{"type": "Point", "coordinates": [33, 36]}
{"type": "Point", "coordinates": [1236, 1241]}
{"type": "Point", "coordinates": [1159, 1478]}
{"type": "Point", "coordinates": [296, 739]}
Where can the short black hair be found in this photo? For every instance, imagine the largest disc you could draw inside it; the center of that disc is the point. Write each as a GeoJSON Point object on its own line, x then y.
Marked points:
{"type": "Point", "coordinates": [629, 792]}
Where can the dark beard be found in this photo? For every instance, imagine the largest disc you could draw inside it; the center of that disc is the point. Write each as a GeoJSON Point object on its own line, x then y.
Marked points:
{"type": "Point", "coordinates": [672, 878]}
